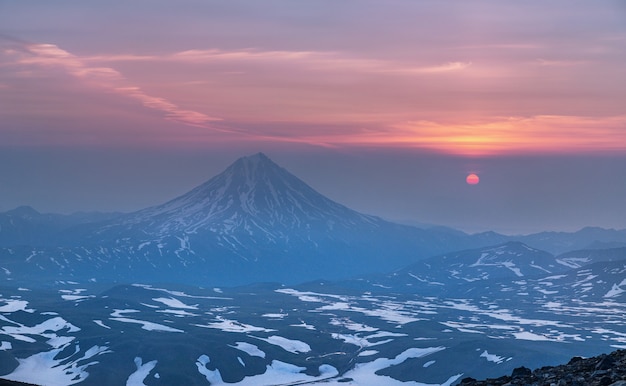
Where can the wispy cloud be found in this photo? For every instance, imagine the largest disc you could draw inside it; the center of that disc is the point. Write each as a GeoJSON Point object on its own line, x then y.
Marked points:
{"type": "Point", "coordinates": [331, 98]}
{"type": "Point", "coordinates": [558, 63]}
{"type": "Point", "coordinates": [537, 134]}
{"type": "Point", "coordinates": [548, 134]}
{"type": "Point", "coordinates": [172, 111]}
{"type": "Point", "coordinates": [313, 60]}
{"type": "Point", "coordinates": [108, 78]}
{"type": "Point", "coordinates": [447, 67]}
{"type": "Point", "coordinates": [214, 54]}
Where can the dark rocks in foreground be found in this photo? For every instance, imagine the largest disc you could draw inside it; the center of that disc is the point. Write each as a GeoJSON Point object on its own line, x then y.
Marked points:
{"type": "Point", "coordinates": [6, 382]}
{"type": "Point", "coordinates": [603, 370]}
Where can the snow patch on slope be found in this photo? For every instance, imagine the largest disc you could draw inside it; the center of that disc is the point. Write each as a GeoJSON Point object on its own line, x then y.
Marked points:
{"type": "Point", "coordinates": [616, 290]}
{"type": "Point", "coordinates": [50, 369]}
{"type": "Point", "coordinates": [492, 357]}
{"type": "Point", "coordinates": [142, 372]}
{"type": "Point", "coordinates": [291, 345]}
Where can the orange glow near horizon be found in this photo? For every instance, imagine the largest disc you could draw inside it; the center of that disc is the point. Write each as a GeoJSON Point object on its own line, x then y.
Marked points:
{"type": "Point", "coordinates": [541, 134]}
{"type": "Point", "coordinates": [331, 104]}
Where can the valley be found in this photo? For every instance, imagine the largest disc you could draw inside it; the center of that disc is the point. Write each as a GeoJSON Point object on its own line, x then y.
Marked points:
{"type": "Point", "coordinates": [253, 278]}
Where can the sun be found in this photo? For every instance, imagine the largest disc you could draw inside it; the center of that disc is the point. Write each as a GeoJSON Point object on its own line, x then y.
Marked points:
{"type": "Point", "coordinates": [472, 179]}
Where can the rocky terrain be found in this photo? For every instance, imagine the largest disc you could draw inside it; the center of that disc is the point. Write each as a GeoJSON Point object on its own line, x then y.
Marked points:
{"type": "Point", "coordinates": [4, 382]}
{"type": "Point", "coordinates": [603, 370]}
{"type": "Point", "coordinates": [254, 278]}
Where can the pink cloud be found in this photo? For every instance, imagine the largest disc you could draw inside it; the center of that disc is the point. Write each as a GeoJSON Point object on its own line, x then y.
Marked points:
{"type": "Point", "coordinates": [330, 98]}
{"type": "Point", "coordinates": [316, 60]}
{"type": "Point", "coordinates": [172, 111]}
{"type": "Point", "coordinates": [503, 136]}
{"type": "Point", "coordinates": [109, 79]}
{"type": "Point", "coordinates": [538, 134]}
{"type": "Point", "coordinates": [558, 63]}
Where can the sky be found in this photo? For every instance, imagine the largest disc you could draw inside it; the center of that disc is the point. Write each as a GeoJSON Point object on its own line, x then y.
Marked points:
{"type": "Point", "coordinates": [383, 106]}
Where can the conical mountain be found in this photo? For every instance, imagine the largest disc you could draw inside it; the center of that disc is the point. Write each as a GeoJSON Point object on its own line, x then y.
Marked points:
{"type": "Point", "coordinates": [253, 222]}
{"type": "Point", "coordinates": [253, 196]}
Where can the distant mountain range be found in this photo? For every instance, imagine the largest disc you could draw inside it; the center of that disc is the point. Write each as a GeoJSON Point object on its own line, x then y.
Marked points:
{"type": "Point", "coordinates": [26, 226]}
{"type": "Point", "coordinates": [331, 296]}
{"type": "Point", "coordinates": [597, 274]}
{"type": "Point", "coordinates": [253, 222]}
{"type": "Point", "coordinates": [490, 311]}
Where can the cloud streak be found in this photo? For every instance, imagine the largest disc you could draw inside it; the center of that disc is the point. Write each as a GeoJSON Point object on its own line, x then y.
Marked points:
{"type": "Point", "coordinates": [547, 134]}
{"type": "Point", "coordinates": [313, 60]}
{"type": "Point", "coordinates": [106, 78]}
{"type": "Point", "coordinates": [473, 99]}
{"type": "Point", "coordinates": [458, 134]}
{"type": "Point", "coordinates": [521, 135]}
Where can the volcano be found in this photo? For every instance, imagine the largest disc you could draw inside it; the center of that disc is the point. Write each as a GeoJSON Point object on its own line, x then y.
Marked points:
{"type": "Point", "coordinates": [254, 222]}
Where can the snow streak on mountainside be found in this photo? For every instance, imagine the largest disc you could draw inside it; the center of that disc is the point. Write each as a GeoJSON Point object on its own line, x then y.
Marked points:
{"type": "Point", "coordinates": [507, 261]}
{"type": "Point", "coordinates": [490, 270]}
{"type": "Point", "coordinates": [253, 222]}
{"type": "Point", "coordinates": [253, 195]}
{"type": "Point", "coordinates": [317, 333]}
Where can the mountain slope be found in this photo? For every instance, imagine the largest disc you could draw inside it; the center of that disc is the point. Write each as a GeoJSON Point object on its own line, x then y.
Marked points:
{"type": "Point", "coordinates": [586, 238]}
{"type": "Point", "coordinates": [253, 194]}
{"type": "Point", "coordinates": [605, 369]}
{"type": "Point", "coordinates": [453, 271]}
{"type": "Point", "coordinates": [253, 222]}
{"type": "Point", "coordinates": [252, 199]}
{"type": "Point", "coordinates": [26, 226]}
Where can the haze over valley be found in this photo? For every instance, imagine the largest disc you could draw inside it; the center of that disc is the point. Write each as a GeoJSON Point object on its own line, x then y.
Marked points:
{"type": "Point", "coordinates": [273, 192]}
{"type": "Point", "coordinates": [256, 278]}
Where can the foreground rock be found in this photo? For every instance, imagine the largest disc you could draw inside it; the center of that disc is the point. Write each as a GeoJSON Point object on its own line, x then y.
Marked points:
{"type": "Point", "coordinates": [6, 382]}
{"type": "Point", "coordinates": [603, 370]}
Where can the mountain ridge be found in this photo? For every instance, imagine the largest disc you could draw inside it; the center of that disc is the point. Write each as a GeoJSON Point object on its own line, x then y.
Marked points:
{"type": "Point", "coordinates": [602, 370]}
{"type": "Point", "coordinates": [255, 221]}
{"type": "Point", "coordinates": [253, 187]}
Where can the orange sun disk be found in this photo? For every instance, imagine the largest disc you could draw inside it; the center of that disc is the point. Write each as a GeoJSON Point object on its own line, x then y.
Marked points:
{"type": "Point", "coordinates": [472, 179]}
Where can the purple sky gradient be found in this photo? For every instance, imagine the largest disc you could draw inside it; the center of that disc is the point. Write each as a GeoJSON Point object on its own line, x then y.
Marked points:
{"type": "Point", "coordinates": [384, 106]}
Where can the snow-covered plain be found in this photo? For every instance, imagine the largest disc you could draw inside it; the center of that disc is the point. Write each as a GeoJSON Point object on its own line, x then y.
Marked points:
{"type": "Point", "coordinates": [276, 373]}
{"type": "Point", "coordinates": [291, 345]}
{"type": "Point", "coordinates": [14, 305]}
{"type": "Point", "coordinates": [228, 325]}
{"type": "Point", "coordinates": [117, 315]}
{"type": "Point", "coordinates": [143, 370]}
{"type": "Point", "coordinates": [249, 349]}
{"type": "Point", "coordinates": [54, 369]}
{"type": "Point", "coordinates": [366, 373]}
{"type": "Point", "coordinates": [297, 336]}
